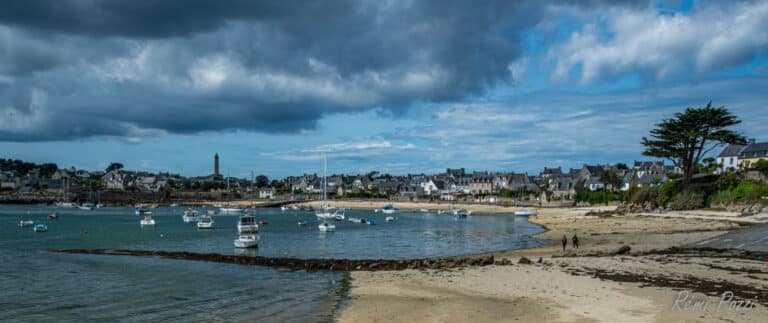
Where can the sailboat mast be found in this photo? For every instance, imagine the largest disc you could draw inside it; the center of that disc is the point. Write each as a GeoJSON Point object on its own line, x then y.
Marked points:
{"type": "Point", "coordinates": [325, 178]}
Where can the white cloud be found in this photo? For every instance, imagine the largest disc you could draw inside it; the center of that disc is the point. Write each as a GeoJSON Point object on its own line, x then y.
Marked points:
{"type": "Point", "coordinates": [658, 46]}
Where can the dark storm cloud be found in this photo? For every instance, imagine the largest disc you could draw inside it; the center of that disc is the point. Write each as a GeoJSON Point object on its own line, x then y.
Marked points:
{"type": "Point", "coordinates": [78, 69]}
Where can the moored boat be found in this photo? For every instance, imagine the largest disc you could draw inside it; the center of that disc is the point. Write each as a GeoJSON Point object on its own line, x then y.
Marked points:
{"type": "Point", "coordinates": [461, 213]}
{"type": "Point", "coordinates": [389, 218]}
{"type": "Point", "coordinates": [141, 210]}
{"type": "Point", "coordinates": [527, 212]}
{"type": "Point", "coordinates": [247, 241]}
{"type": "Point", "coordinates": [356, 220]}
{"type": "Point", "coordinates": [388, 209]}
{"type": "Point", "coordinates": [326, 227]}
{"type": "Point", "coordinates": [26, 223]}
{"type": "Point", "coordinates": [190, 215]}
{"type": "Point", "coordinates": [65, 204]}
{"type": "Point", "coordinates": [147, 220]}
{"type": "Point", "coordinates": [230, 210]}
{"type": "Point", "coordinates": [206, 222]}
{"type": "Point", "coordinates": [247, 224]}
{"type": "Point", "coordinates": [53, 216]}
{"type": "Point", "coordinates": [40, 228]}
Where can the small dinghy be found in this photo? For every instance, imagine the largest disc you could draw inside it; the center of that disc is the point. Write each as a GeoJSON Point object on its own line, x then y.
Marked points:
{"type": "Point", "coordinates": [53, 216]}
{"type": "Point", "coordinates": [40, 228]}
{"type": "Point", "coordinates": [326, 227]}
{"type": "Point", "coordinates": [526, 212]}
{"type": "Point", "coordinates": [26, 223]}
{"type": "Point", "coordinates": [301, 223]}
{"type": "Point", "coordinates": [390, 218]}
{"type": "Point", "coordinates": [262, 222]}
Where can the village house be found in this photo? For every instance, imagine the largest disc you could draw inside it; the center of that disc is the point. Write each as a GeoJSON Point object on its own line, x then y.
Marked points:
{"type": "Point", "coordinates": [728, 159]}
{"type": "Point", "coordinates": [752, 153]}
{"type": "Point", "coordinates": [649, 167]}
{"type": "Point", "coordinates": [267, 193]}
{"type": "Point", "coordinates": [481, 184]}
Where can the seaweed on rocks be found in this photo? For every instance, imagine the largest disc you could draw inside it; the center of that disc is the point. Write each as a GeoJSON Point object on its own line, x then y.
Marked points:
{"type": "Point", "coordinates": [300, 264]}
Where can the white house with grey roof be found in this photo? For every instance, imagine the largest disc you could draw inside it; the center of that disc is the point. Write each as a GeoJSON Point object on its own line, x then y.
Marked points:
{"type": "Point", "coordinates": [728, 159]}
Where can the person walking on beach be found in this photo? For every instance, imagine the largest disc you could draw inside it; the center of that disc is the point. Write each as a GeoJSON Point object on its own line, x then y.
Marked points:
{"type": "Point", "coordinates": [575, 241]}
{"type": "Point", "coordinates": [565, 242]}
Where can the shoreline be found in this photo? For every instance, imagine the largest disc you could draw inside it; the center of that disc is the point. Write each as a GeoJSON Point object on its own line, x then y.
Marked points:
{"type": "Point", "coordinates": [594, 283]}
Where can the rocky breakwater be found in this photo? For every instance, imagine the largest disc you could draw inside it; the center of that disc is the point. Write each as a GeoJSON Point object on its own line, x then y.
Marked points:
{"type": "Point", "coordinates": [301, 264]}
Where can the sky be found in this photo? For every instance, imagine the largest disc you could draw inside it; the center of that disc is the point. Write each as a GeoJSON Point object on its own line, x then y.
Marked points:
{"type": "Point", "coordinates": [394, 86]}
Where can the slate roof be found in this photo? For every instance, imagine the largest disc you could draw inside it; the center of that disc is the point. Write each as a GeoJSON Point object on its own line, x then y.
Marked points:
{"type": "Point", "coordinates": [732, 150]}
{"type": "Point", "coordinates": [759, 149]}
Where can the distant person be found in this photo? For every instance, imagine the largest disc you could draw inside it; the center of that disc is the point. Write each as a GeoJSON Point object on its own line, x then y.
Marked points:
{"type": "Point", "coordinates": [575, 241]}
{"type": "Point", "coordinates": [564, 240]}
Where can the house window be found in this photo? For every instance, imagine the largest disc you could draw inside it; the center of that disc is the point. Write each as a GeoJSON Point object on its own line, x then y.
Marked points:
{"type": "Point", "coordinates": [731, 161]}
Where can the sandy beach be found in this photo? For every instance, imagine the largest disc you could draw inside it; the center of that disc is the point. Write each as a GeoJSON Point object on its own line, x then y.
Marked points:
{"type": "Point", "coordinates": [591, 284]}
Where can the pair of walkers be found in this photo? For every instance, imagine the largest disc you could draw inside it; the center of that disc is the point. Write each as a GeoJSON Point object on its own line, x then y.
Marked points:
{"type": "Point", "coordinates": [575, 239]}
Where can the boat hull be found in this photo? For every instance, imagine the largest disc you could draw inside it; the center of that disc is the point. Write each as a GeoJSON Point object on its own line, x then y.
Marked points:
{"type": "Point", "coordinates": [201, 225]}
{"type": "Point", "coordinates": [326, 228]}
{"type": "Point", "coordinates": [246, 242]}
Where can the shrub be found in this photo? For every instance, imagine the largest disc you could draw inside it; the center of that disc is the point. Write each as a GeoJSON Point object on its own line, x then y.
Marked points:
{"type": "Point", "coordinates": [668, 191]}
{"type": "Point", "coordinates": [598, 197]}
{"type": "Point", "coordinates": [687, 200]}
{"type": "Point", "coordinates": [727, 181]}
{"type": "Point", "coordinates": [645, 195]}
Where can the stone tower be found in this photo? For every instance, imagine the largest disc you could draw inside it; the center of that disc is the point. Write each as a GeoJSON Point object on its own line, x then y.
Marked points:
{"type": "Point", "coordinates": [216, 165]}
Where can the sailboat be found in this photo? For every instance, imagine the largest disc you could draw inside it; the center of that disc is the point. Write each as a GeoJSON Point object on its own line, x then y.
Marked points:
{"type": "Point", "coordinates": [326, 212]}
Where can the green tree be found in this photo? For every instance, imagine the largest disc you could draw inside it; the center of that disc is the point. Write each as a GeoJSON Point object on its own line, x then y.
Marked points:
{"type": "Point", "coordinates": [612, 179]}
{"type": "Point", "coordinates": [114, 166]}
{"type": "Point", "coordinates": [262, 181]}
{"type": "Point", "coordinates": [692, 134]}
{"type": "Point", "coordinates": [47, 170]}
{"type": "Point", "coordinates": [762, 166]}
{"type": "Point", "coordinates": [622, 166]}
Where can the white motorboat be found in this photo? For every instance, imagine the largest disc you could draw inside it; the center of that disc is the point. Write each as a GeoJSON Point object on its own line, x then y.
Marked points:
{"type": "Point", "coordinates": [65, 204]}
{"type": "Point", "coordinates": [461, 213]}
{"type": "Point", "coordinates": [86, 207]}
{"type": "Point", "coordinates": [230, 210]}
{"type": "Point", "coordinates": [247, 241]}
{"type": "Point", "coordinates": [526, 212]}
{"type": "Point", "coordinates": [190, 215]}
{"type": "Point", "coordinates": [390, 218]}
{"type": "Point", "coordinates": [206, 222]}
{"type": "Point", "coordinates": [147, 220]}
{"type": "Point", "coordinates": [53, 216]}
{"type": "Point", "coordinates": [326, 227]}
{"type": "Point", "coordinates": [247, 225]}
{"type": "Point", "coordinates": [26, 223]}
{"type": "Point", "coordinates": [173, 205]}
{"type": "Point", "coordinates": [40, 228]}
{"type": "Point", "coordinates": [141, 210]}
{"type": "Point", "coordinates": [210, 212]}
{"type": "Point", "coordinates": [388, 209]}
{"type": "Point", "coordinates": [424, 211]}
{"type": "Point", "coordinates": [283, 208]}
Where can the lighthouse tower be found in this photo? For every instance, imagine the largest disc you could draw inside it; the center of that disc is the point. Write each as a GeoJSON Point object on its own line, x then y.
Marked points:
{"type": "Point", "coordinates": [216, 165]}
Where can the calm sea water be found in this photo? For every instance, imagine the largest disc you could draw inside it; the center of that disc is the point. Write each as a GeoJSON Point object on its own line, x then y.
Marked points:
{"type": "Point", "coordinates": [36, 285]}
